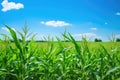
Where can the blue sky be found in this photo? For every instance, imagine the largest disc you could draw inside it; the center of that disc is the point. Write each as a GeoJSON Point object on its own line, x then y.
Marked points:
{"type": "Point", "coordinates": [92, 18]}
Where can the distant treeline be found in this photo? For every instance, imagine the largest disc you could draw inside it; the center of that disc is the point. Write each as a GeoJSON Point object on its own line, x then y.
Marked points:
{"type": "Point", "coordinates": [35, 40]}
{"type": "Point", "coordinates": [95, 40]}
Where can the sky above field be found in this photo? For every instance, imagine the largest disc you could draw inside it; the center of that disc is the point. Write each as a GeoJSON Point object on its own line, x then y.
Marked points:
{"type": "Point", "coordinates": [90, 18]}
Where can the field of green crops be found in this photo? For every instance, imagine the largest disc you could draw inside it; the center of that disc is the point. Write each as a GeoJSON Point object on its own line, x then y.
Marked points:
{"type": "Point", "coordinates": [51, 60]}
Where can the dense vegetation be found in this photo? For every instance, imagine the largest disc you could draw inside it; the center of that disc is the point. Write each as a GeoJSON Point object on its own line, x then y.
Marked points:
{"type": "Point", "coordinates": [98, 40]}
{"type": "Point", "coordinates": [118, 40]}
{"type": "Point", "coordinates": [21, 60]}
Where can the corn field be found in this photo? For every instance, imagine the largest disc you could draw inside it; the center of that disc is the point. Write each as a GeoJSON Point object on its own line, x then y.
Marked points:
{"type": "Point", "coordinates": [23, 60]}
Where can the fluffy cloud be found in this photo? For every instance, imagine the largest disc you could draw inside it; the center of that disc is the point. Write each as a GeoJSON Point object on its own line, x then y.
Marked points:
{"type": "Point", "coordinates": [106, 23]}
{"type": "Point", "coordinates": [4, 28]}
{"type": "Point", "coordinates": [118, 13]}
{"type": "Point", "coordinates": [10, 5]}
{"type": "Point", "coordinates": [93, 29]}
{"type": "Point", "coordinates": [55, 23]}
{"type": "Point", "coordinates": [117, 36]}
{"type": "Point", "coordinates": [40, 37]}
{"type": "Point", "coordinates": [87, 35]}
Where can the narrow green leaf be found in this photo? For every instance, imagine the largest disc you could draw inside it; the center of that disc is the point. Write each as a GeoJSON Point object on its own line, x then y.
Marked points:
{"type": "Point", "coordinates": [14, 36]}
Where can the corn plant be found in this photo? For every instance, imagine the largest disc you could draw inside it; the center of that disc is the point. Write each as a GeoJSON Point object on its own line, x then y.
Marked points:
{"type": "Point", "coordinates": [26, 60]}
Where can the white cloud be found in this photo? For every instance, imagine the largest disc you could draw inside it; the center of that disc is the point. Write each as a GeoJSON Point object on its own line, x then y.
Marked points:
{"type": "Point", "coordinates": [117, 36]}
{"type": "Point", "coordinates": [106, 23]}
{"type": "Point", "coordinates": [10, 5]}
{"type": "Point", "coordinates": [85, 34]}
{"type": "Point", "coordinates": [4, 28]}
{"type": "Point", "coordinates": [118, 13]}
{"type": "Point", "coordinates": [55, 23]}
{"type": "Point", "coordinates": [40, 37]}
{"type": "Point", "coordinates": [93, 29]}
{"type": "Point", "coordinates": [88, 36]}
